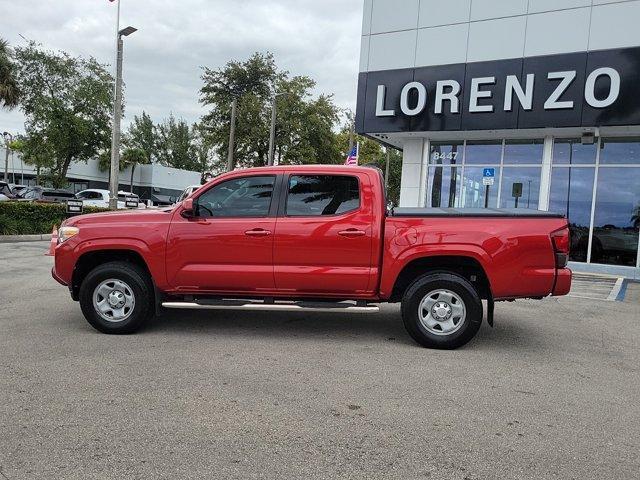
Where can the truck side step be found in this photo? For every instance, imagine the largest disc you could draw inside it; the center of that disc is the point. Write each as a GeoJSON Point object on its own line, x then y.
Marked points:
{"type": "Point", "coordinates": [279, 306]}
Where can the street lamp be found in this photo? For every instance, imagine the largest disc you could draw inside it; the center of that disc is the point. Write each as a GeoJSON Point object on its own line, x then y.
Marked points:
{"type": "Point", "coordinates": [7, 138]}
{"type": "Point", "coordinates": [117, 113]}
{"type": "Point", "coordinates": [272, 130]}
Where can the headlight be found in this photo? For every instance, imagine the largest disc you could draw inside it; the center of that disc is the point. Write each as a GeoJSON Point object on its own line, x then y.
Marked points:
{"type": "Point", "coordinates": [65, 233]}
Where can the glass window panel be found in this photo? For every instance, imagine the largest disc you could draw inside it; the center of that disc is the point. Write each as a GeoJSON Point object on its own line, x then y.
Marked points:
{"type": "Point", "coordinates": [473, 192]}
{"type": "Point", "coordinates": [316, 195]}
{"type": "Point", "coordinates": [522, 181]}
{"type": "Point", "coordinates": [240, 197]}
{"type": "Point", "coordinates": [615, 228]}
{"type": "Point", "coordinates": [620, 151]}
{"type": "Point", "coordinates": [446, 153]}
{"type": "Point", "coordinates": [483, 153]}
{"type": "Point", "coordinates": [444, 184]}
{"type": "Point", "coordinates": [519, 152]}
{"type": "Point", "coordinates": [572, 194]}
{"type": "Point", "coordinates": [573, 152]}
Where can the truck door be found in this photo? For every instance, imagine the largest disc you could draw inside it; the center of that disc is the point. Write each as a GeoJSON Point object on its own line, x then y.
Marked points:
{"type": "Point", "coordinates": [228, 245]}
{"type": "Point", "coordinates": [323, 241]}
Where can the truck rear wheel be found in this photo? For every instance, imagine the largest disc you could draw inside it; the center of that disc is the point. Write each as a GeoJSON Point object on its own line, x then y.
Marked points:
{"type": "Point", "coordinates": [117, 297]}
{"type": "Point", "coordinates": [441, 310]}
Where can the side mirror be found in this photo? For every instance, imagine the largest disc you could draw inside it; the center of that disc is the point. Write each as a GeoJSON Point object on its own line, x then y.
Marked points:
{"type": "Point", "coordinates": [172, 199]}
{"type": "Point", "coordinates": [188, 208]}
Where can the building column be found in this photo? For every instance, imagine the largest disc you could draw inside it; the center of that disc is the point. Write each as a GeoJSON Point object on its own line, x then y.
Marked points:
{"type": "Point", "coordinates": [410, 182]}
{"type": "Point", "coordinates": [545, 179]}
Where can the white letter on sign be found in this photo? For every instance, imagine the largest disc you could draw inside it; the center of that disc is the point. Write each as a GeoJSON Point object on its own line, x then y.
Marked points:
{"type": "Point", "coordinates": [452, 96]}
{"type": "Point", "coordinates": [590, 87]}
{"type": "Point", "coordinates": [525, 97]}
{"type": "Point", "coordinates": [552, 102]}
{"type": "Point", "coordinates": [404, 98]}
{"type": "Point", "coordinates": [476, 94]}
{"type": "Point", "coordinates": [380, 111]}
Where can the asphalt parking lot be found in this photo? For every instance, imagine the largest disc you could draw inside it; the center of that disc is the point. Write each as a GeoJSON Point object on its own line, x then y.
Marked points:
{"type": "Point", "coordinates": [551, 392]}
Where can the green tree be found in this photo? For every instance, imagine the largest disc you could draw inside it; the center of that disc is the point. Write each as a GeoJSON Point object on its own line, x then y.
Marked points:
{"type": "Point", "coordinates": [174, 144]}
{"type": "Point", "coordinates": [141, 135]}
{"type": "Point", "coordinates": [9, 91]}
{"type": "Point", "coordinates": [304, 130]}
{"type": "Point", "coordinates": [134, 157]}
{"type": "Point", "coordinates": [34, 151]}
{"type": "Point", "coordinates": [68, 102]}
{"type": "Point", "coordinates": [203, 151]}
{"type": "Point", "coordinates": [104, 161]}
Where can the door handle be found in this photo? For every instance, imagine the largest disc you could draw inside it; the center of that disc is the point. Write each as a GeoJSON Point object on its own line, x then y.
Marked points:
{"type": "Point", "coordinates": [352, 233]}
{"type": "Point", "coordinates": [257, 232]}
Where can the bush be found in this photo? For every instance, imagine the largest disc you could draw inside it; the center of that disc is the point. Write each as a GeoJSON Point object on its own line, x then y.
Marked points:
{"type": "Point", "coordinates": [25, 218]}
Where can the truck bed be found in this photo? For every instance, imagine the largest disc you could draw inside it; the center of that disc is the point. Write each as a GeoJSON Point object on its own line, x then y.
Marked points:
{"type": "Point", "coordinates": [472, 212]}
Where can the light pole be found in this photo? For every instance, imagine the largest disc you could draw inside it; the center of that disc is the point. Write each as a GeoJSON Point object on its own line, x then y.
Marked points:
{"type": "Point", "coordinates": [232, 136]}
{"type": "Point", "coordinates": [117, 113]}
{"type": "Point", "coordinates": [7, 138]}
{"type": "Point", "coordinates": [272, 130]}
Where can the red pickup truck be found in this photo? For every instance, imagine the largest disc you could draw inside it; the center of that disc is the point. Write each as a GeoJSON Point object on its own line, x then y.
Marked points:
{"type": "Point", "coordinates": [310, 238]}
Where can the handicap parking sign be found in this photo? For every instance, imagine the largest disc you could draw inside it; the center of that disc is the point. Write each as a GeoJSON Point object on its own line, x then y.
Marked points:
{"type": "Point", "coordinates": [488, 176]}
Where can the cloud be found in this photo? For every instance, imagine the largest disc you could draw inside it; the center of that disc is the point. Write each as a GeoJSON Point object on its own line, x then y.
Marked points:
{"type": "Point", "coordinates": [318, 38]}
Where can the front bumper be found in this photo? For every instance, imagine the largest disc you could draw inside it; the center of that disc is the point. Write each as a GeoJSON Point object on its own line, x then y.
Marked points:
{"type": "Point", "coordinates": [563, 282]}
{"type": "Point", "coordinates": [57, 277]}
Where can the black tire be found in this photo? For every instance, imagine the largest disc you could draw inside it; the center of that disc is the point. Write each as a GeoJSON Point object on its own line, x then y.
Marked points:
{"type": "Point", "coordinates": [463, 289]}
{"type": "Point", "coordinates": [139, 282]}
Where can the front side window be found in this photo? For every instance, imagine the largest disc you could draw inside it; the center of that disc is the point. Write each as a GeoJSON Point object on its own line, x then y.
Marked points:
{"type": "Point", "coordinates": [317, 195]}
{"type": "Point", "coordinates": [240, 197]}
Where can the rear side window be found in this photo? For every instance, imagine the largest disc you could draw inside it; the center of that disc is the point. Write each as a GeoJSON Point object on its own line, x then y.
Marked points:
{"type": "Point", "coordinates": [318, 195]}
{"type": "Point", "coordinates": [240, 197]}
{"type": "Point", "coordinates": [89, 195]}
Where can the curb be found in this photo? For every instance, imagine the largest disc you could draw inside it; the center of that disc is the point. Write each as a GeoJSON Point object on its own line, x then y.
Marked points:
{"type": "Point", "coordinates": [24, 238]}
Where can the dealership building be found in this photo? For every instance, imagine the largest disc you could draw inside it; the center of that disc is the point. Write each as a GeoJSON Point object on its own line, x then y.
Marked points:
{"type": "Point", "coordinates": [513, 104]}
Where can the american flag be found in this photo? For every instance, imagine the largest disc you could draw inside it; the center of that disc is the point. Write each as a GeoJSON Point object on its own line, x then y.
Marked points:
{"type": "Point", "coordinates": [352, 159]}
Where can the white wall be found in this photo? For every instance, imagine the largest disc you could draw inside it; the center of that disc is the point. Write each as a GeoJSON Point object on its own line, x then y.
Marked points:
{"type": "Point", "coordinates": [416, 33]}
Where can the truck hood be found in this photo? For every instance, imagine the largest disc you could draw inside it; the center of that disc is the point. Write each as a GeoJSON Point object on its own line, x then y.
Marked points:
{"type": "Point", "coordinates": [120, 217]}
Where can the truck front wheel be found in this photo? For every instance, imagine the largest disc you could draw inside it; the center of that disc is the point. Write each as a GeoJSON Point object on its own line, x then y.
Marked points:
{"type": "Point", "coordinates": [117, 297]}
{"type": "Point", "coordinates": [441, 310]}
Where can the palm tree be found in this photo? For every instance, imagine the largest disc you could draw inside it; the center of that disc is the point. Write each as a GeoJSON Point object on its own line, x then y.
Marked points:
{"type": "Point", "coordinates": [9, 92]}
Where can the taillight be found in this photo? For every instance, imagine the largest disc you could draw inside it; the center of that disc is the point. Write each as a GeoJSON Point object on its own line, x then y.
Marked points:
{"type": "Point", "coordinates": [561, 242]}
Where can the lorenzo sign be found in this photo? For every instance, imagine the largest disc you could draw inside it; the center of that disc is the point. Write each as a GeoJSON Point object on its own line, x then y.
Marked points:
{"type": "Point", "coordinates": [571, 90]}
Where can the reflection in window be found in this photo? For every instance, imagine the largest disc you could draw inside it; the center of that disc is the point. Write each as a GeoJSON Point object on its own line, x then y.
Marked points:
{"type": "Point", "coordinates": [443, 185]}
{"type": "Point", "coordinates": [483, 153]}
{"type": "Point", "coordinates": [520, 187]}
{"type": "Point", "coordinates": [316, 195]}
{"type": "Point", "coordinates": [520, 152]}
{"type": "Point", "coordinates": [444, 181]}
{"type": "Point", "coordinates": [620, 151]}
{"type": "Point", "coordinates": [240, 197]}
{"type": "Point", "coordinates": [574, 153]}
{"type": "Point", "coordinates": [474, 193]}
{"type": "Point", "coordinates": [571, 195]}
{"type": "Point", "coordinates": [617, 219]}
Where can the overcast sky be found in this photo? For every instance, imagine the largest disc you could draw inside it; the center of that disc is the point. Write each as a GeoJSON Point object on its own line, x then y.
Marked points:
{"type": "Point", "coordinates": [318, 38]}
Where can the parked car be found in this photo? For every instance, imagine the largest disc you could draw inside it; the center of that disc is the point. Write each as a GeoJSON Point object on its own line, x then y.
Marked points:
{"type": "Point", "coordinates": [309, 238]}
{"type": "Point", "coordinates": [18, 189]}
{"type": "Point", "coordinates": [5, 192]}
{"type": "Point", "coordinates": [94, 197]}
{"type": "Point", "coordinates": [42, 194]}
{"type": "Point", "coordinates": [187, 192]}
